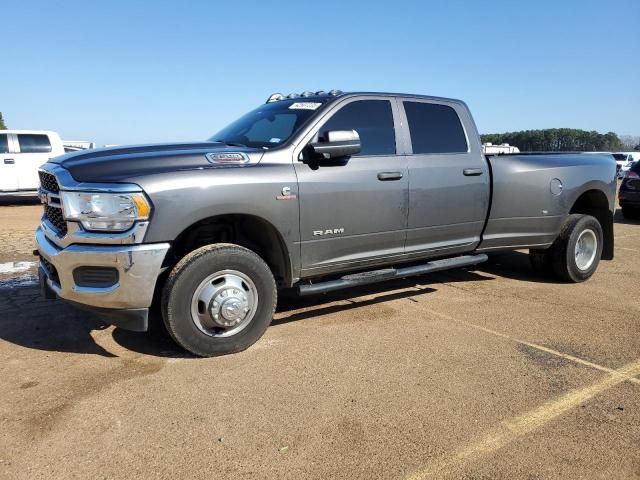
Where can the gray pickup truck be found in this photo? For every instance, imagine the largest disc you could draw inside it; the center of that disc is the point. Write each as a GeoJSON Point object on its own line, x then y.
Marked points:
{"type": "Point", "coordinates": [317, 192]}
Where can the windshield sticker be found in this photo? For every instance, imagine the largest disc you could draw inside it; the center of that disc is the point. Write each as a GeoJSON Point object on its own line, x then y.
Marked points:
{"type": "Point", "coordinates": [275, 140]}
{"type": "Point", "coordinates": [304, 106]}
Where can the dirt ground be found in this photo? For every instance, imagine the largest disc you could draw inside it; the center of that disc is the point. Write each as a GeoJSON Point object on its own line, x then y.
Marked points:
{"type": "Point", "coordinates": [488, 373]}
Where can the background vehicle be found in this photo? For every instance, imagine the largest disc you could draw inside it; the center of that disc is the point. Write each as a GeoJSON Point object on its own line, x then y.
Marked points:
{"type": "Point", "coordinates": [21, 153]}
{"type": "Point", "coordinates": [624, 160]}
{"type": "Point", "coordinates": [77, 145]}
{"type": "Point", "coordinates": [625, 168]}
{"type": "Point", "coordinates": [629, 194]}
{"type": "Point", "coordinates": [491, 149]}
{"type": "Point", "coordinates": [312, 191]}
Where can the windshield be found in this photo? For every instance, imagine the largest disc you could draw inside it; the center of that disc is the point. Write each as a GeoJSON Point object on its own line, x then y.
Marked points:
{"type": "Point", "coordinates": [270, 124]}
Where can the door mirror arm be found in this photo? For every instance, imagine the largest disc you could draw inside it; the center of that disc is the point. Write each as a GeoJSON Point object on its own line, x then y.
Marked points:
{"type": "Point", "coordinates": [334, 148]}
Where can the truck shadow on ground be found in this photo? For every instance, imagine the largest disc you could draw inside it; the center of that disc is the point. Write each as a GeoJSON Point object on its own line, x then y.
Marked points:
{"type": "Point", "coordinates": [514, 265]}
{"type": "Point", "coordinates": [292, 308]}
{"type": "Point", "coordinates": [30, 322]}
{"type": "Point", "coordinates": [618, 218]}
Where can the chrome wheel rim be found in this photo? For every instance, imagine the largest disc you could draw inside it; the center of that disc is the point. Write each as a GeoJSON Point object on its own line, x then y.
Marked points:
{"type": "Point", "coordinates": [224, 303]}
{"type": "Point", "coordinates": [586, 249]}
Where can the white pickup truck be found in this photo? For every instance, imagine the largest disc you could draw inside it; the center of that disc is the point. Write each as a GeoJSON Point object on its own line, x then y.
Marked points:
{"type": "Point", "coordinates": [21, 153]}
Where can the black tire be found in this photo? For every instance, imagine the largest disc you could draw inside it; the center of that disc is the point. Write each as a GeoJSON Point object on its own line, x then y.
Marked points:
{"type": "Point", "coordinates": [631, 213]}
{"type": "Point", "coordinates": [190, 273]}
{"type": "Point", "coordinates": [541, 261]}
{"type": "Point", "coordinates": [563, 257]}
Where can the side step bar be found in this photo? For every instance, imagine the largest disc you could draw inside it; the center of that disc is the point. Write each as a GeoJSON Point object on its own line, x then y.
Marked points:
{"type": "Point", "coordinates": [375, 276]}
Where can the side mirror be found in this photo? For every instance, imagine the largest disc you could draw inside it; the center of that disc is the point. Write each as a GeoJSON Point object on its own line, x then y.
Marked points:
{"type": "Point", "coordinates": [336, 144]}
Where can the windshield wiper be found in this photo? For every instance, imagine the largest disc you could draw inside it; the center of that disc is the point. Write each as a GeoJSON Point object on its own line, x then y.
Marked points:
{"type": "Point", "coordinates": [231, 144]}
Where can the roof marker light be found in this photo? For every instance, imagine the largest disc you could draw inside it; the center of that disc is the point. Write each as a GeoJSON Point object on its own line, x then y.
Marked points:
{"type": "Point", "coordinates": [293, 95]}
{"type": "Point", "coordinates": [335, 93]}
{"type": "Point", "coordinates": [321, 92]}
{"type": "Point", "coordinates": [306, 93]}
{"type": "Point", "coordinates": [275, 97]}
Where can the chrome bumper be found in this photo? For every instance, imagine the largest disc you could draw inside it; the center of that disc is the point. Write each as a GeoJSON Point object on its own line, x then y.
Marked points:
{"type": "Point", "coordinates": [138, 269]}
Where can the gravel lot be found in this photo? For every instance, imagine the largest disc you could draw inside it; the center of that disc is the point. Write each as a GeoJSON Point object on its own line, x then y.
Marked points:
{"type": "Point", "coordinates": [488, 373]}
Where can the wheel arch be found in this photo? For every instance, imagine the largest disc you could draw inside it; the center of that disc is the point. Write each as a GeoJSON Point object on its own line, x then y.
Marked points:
{"type": "Point", "coordinates": [249, 231]}
{"type": "Point", "coordinates": [594, 202]}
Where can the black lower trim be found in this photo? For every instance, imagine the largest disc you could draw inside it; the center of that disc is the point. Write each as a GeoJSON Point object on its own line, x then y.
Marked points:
{"type": "Point", "coordinates": [366, 278]}
{"type": "Point", "coordinates": [45, 290]}
{"type": "Point", "coordinates": [133, 319]}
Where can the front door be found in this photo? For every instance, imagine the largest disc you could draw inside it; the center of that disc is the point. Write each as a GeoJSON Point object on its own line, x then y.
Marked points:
{"type": "Point", "coordinates": [449, 179]}
{"type": "Point", "coordinates": [8, 172]}
{"type": "Point", "coordinates": [355, 213]}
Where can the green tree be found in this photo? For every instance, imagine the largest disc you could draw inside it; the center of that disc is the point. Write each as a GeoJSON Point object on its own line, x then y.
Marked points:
{"type": "Point", "coordinates": [557, 140]}
{"type": "Point", "coordinates": [2, 124]}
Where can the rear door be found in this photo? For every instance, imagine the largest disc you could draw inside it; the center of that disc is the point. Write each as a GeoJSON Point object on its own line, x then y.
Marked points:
{"type": "Point", "coordinates": [35, 149]}
{"type": "Point", "coordinates": [355, 213]}
{"type": "Point", "coordinates": [8, 172]}
{"type": "Point", "coordinates": [449, 184]}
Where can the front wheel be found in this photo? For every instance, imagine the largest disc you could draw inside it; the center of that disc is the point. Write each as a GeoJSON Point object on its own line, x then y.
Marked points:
{"type": "Point", "coordinates": [576, 252]}
{"type": "Point", "coordinates": [218, 299]}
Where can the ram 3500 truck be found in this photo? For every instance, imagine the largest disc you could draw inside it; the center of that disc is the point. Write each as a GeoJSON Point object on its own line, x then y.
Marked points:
{"type": "Point", "coordinates": [317, 191]}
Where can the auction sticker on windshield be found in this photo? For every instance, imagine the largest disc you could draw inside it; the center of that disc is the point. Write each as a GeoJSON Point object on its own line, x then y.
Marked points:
{"type": "Point", "coordinates": [304, 106]}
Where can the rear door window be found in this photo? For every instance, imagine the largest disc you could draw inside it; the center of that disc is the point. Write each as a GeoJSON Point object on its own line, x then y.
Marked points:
{"type": "Point", "coordinates": [435, 128]}
{"type": "Point", "coordinates": [4, 143]}
{"type": "Point", "coordinates": [372, 119]}
{"type": "Point", "coordinates": [34, 143]}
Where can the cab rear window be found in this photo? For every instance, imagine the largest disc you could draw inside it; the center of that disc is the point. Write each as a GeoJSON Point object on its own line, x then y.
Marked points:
{"type": "Point", "coordinates": [34, 143]}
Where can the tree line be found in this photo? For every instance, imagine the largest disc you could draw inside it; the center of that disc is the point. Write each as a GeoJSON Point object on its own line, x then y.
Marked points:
{"type": "Point", "coordinates": [2, 125]}
{"type": "Point", "coordinates": [557, 140]}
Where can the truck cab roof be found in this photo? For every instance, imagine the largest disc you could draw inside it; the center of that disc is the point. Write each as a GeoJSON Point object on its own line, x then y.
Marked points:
{"type": "Point", "coordinates": [322, 96]}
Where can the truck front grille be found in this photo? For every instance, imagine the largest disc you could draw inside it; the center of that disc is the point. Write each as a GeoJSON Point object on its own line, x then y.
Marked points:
{"type": "Point", "coordinates": [48, 182]}
{"type": "Point", "coordinates": [54, 216]}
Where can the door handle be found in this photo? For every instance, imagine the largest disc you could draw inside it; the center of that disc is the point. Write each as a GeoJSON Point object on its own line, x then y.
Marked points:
{"type": "Point", "coordinates": [472, 172]}
{"type": "Point", "coordinates": [9, 161]}
{"type": "Point", "coordinates": [386, 176]}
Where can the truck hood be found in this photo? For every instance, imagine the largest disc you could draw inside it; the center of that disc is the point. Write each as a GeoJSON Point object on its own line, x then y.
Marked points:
{"type": "Point", "coordinates": [118, 164]}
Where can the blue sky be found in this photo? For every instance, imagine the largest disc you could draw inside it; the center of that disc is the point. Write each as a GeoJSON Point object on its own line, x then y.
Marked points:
{"type": "Point", "coordinates": [131, 71]}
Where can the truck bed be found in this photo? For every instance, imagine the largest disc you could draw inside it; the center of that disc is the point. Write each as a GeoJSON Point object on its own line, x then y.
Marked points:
{"type": "Point", "coordinates": [532, 193]}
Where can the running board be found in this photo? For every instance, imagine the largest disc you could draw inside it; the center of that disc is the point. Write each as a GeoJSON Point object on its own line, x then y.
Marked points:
{"type": "Point", "coordinates": [375, 276]}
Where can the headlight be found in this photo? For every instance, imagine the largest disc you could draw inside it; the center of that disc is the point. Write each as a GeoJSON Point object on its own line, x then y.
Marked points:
{"type": "Point", "coordinates": [114, 212]}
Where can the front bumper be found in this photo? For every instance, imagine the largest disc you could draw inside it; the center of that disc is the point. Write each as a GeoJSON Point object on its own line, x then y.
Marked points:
{"type": "Point", "coordinates": [138, 269]}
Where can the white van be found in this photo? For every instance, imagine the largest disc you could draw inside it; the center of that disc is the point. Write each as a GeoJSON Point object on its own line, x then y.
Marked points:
{"type": "Point", "coordinates": [21, 153]}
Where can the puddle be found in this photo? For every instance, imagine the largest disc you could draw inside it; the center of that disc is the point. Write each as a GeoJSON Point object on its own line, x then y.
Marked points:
{"type": "Point", "coordinates": [19, 281]}
{"type": "Point", "coordinates": [10, 268]}
{"type": "Point", "coordinates": [17, 274]}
